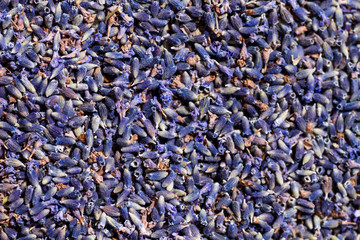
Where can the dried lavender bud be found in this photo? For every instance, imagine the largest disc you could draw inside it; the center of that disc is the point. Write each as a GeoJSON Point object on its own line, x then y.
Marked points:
{"type": "Point", "coordinates": [185, 119]}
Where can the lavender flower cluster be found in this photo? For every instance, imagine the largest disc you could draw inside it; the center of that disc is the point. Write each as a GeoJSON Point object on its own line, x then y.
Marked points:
{"type": "Point", "coordinates": [179, 119]}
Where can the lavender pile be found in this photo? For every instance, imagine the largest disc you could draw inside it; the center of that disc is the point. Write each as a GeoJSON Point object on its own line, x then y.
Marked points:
{"type": "Point", "coordinates": [184, 120]}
